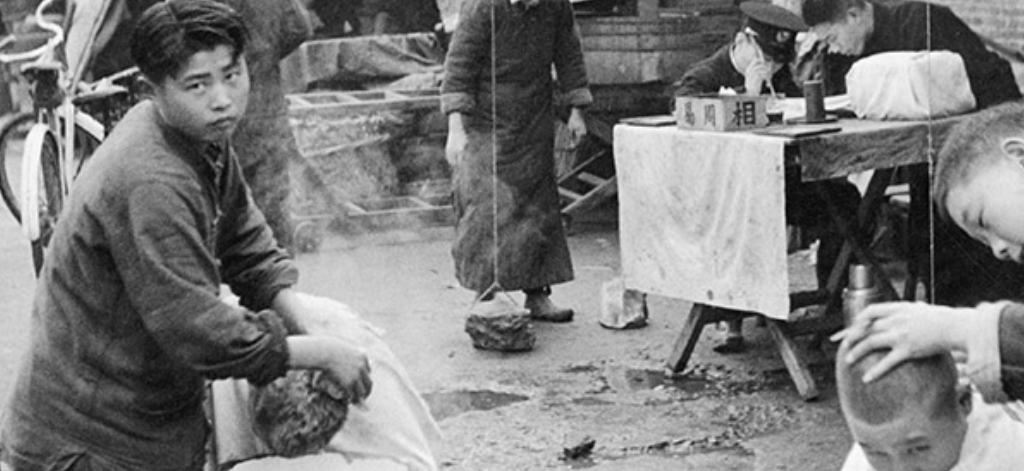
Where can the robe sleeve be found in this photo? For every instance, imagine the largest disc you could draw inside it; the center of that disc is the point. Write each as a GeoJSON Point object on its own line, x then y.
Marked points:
{"type": "Point", "coordinates": [995, 351]}
{"type": "Point", "coordinates": [568, 57]}
{"type": "Point", "coordinates": [466, 57]}
{"type": "Point", "coordinates": [296, 26]}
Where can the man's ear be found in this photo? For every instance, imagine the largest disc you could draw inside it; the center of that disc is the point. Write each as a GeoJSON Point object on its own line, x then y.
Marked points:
{"type": "Point", "coordinates": [1013, 148]}
{"type": "Point", "coordinates": [964, 400]}
{"type": "Point", "coordinates": [146, 86]}
{"type": "Point", "coordinates": [855, 14]}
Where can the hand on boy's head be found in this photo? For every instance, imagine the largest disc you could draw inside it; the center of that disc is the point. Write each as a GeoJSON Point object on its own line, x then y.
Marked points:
{"type": "Point", "coordinates": [909, 419]}
{"type": "Point", "coordinates": [908, 330]}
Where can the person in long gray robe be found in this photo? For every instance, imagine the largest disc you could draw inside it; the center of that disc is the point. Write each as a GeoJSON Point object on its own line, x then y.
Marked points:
{"type": "Point", "coordinates": [498, 94]}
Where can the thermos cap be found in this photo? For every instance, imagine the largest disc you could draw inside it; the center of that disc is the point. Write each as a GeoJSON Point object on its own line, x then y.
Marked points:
{"type": "Point", "coordinates": [860, 277]}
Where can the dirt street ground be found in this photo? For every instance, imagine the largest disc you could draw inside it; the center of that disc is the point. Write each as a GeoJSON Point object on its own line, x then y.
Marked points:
{"type": "Point", "coordinates": [516, 411]}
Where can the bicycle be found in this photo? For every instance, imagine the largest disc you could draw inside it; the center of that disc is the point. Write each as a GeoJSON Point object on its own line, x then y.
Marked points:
{"type": "Point", "coordinates": [67, 114]}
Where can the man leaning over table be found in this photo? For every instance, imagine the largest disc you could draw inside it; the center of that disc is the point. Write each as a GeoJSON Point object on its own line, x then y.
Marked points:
{"type": "Point", "coordinates": [756, 62]}
{"type": "Point", "coordinates": [851, 29]}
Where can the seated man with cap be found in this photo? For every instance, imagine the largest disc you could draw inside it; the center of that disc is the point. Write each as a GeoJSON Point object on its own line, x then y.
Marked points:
{"type": "Point", "coordinates": [758, 61]}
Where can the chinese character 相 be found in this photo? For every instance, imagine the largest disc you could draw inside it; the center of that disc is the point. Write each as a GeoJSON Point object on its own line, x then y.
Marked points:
{"type": "Point", "coordinates": [744, 114]}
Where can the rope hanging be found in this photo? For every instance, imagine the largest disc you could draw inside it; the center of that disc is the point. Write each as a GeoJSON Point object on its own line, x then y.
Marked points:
{"type": "Point", "coordinates": [495, 282]}
{"type": "Point", "coordinates": [931, 166]}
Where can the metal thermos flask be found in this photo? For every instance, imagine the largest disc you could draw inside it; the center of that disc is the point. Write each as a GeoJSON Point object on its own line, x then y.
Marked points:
{"type": "Point", "coordinates": [859, 293]}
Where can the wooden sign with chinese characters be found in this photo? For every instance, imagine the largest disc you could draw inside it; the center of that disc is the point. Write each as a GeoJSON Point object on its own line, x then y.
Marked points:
{"type": "Point", "coordinates": [721, 112]}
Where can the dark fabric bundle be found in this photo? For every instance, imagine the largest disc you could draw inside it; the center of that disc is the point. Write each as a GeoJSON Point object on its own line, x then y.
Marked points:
{"type": "Point", "coordinates": [298, 413]}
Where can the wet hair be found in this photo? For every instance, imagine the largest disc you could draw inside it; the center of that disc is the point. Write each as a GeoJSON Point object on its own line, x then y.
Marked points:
{"type": "Point", "coordinates": [929, 382]}
{"type": "Point", "coordinates": [170, 32]}
{"type": "Point", "coordinates": [973, 144]}
{"type": "Point", "coordinates": [816, 12]}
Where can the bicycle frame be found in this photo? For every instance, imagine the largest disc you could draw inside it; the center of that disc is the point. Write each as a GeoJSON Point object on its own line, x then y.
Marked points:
{"type": "Point", "coordinates": [50, 152]}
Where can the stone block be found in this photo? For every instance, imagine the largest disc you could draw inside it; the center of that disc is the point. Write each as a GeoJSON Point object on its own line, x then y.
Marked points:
{"type": "Point", "coordinates": [500, 325]}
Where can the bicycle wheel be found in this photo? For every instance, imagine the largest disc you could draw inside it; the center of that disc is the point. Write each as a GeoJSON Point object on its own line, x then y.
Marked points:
{"type": "Point", "coordinates": [42, 190]}
{"type": "Point", "coordinates": [12, 144]}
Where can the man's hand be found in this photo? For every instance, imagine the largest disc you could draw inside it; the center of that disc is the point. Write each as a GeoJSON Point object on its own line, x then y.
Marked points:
{"type": "Point", "coordinates": [457, 140]}
{"type": "Point", "coordinates": [350, 370]}
{"type": "Point", "coordinates": [577, 126]}
{"type": "Point", "coordinates": [347, 367]}
{"type": "Point", "coordinates": [908, 330]}
{"type": "Point", "coordinates": [757, 73]}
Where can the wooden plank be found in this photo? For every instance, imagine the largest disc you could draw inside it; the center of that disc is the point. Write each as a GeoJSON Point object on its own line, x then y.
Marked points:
{"type": "Point", "coordinates": [579, 168]}
{"type": "Point", "coordinates": [687, 339]}
{"type": "Point", "coordinates": [593, 198]}
{"type": "Point", "coordinates": [419, 203]}
{"type": "Point", "coordinates": [354, 209]}
{"type": "Point", "coordinates": [569, 194]}
{"type": "Point", "coordinates": [591, 179]}
{"type": "Point", "coordinates": [865, 145]}
{"type": "Point", "coordinates": [669, 23]}
{"type": "Point", "coordinates": [794, 361]}
{"type": "Point", "coordinates": [652, 42]}
{"type": "Point", "coordinates": [338, 104]}
{"type": "Point", "coordinates": [818, 324]}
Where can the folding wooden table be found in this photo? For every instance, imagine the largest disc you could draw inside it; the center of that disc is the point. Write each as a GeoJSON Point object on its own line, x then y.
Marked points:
{"type": "Point", "coordinates": [859, 146]}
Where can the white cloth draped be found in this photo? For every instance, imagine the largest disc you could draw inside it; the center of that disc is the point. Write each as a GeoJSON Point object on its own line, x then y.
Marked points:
{"type": "Point", "coordinates": [702, 217]}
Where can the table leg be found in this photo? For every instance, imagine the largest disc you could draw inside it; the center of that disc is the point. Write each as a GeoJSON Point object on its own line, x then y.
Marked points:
{"type": "Point", "coordinates": [687, 339]}
{"type": "Point", "coordinates": [794, 361]}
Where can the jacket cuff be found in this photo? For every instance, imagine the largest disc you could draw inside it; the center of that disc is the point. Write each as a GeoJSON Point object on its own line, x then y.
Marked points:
{"type": "Point", "coordinates": [277, 354]}
{"type": "Point", "coordinates": [983, 362]}
{"type": "Point", "coordinates": [579, 98]}
{"type": "Point", "coordinates": [457, 102]}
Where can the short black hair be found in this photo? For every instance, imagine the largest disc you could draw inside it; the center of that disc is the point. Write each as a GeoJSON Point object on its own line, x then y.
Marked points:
{"type": "Point", "coordinates": [928, 383]}
{"type": "Point", "coordinates": [816, 12]}
{"type": "Point", "coordinates": [972, 144]}
{"type": "Point", "coordinates": [172, 31]}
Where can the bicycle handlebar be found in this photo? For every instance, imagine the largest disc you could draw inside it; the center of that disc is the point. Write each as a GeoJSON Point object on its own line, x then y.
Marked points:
{"type": "Point", "coordinates": [51, 44]}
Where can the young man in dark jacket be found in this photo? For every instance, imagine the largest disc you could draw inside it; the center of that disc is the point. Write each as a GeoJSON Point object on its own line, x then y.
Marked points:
{"type": "Point", "coordinates": [128, 322]}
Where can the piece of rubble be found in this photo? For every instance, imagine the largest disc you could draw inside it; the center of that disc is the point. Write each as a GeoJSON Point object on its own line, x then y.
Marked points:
{"type": "Point", "coordinates": [622, 309]}
{"type": "Point", "coordinates": [500, 325]}
{"type": "Point", "coordinates": [577, 445]}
